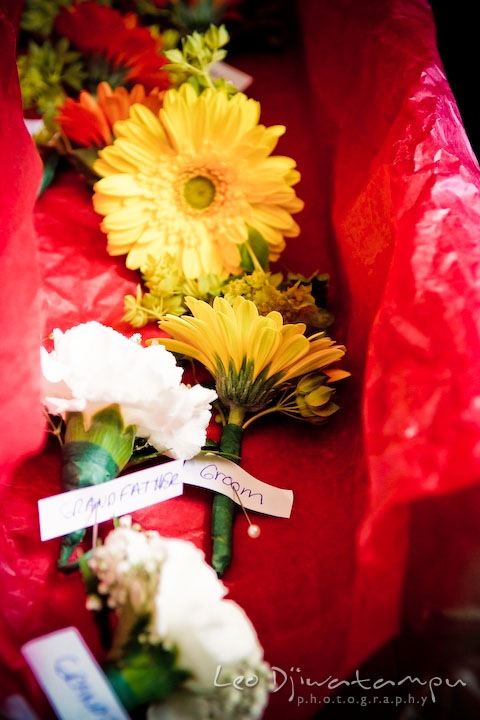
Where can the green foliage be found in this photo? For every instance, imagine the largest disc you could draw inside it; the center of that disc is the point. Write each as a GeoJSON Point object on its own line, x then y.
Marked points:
{"type": "Point", "coordinates": [39, 16]}
{"type": "Point", "coordinates": [191, 63]}
{"type": "Point", "coordinates": [146, 7]}
{"type": "Point", "coordinates": [89, 578]}
{"type": "Point", "coordinates": [45, 72]}
{"type": "Point", "coordinates": [146, 672]}
{"type": "Point", "coordinates": [198, 15]}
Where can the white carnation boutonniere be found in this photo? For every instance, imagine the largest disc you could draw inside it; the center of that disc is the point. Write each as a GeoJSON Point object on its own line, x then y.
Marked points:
{"type": "Point", "coordinates": [175, 624]}
{"type": "Point", "coordinates": [110, 390]}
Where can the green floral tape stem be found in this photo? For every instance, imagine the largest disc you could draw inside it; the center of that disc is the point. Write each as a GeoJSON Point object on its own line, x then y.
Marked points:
{"type": "Point", "coordinates": [83, 464]}
{"type": "Point", "coordinates": [91, 457]}
{"type": "Point", "coordinates": [145, 674]}
{"type": "Point", "coordinates": [122, 689]}
{"type": "Point", "coordinates": [224, 507]}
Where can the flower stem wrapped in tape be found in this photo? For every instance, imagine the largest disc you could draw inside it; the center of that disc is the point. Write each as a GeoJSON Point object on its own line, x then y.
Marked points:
{"type": "Point", "coordinates": [253, 359]}
{"type": "Point", "coordinates": [93, 456]}
{"type": "Point", "coordinates": [110, 390]}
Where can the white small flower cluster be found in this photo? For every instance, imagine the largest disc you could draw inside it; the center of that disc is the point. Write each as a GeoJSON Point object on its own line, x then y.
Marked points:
{"type": "Point", "coordinates": [128, 567]}
{"type": "Point", "coordinates": [186, 602]}
{"type": "Point", "coordinates": [93, 366]}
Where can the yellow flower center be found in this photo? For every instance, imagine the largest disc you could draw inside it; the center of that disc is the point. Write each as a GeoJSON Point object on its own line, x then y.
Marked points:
{"type": "Point", "coordinates": [199, 192]}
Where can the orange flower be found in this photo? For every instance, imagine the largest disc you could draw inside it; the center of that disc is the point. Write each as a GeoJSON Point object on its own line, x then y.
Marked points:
{"type": "Point", "coordinates": [88, 122]}
{"type": "Point", "coordinates": [102, 33]}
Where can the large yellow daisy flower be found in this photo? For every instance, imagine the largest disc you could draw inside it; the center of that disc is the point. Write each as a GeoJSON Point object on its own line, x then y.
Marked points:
{"type": "Point", "coordinates": [193, 180]}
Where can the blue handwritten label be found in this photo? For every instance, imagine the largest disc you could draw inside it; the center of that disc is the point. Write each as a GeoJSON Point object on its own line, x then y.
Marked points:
{"type": "Point", "coordinates": [71, 677]}
{"type": "Point", "coordinates": [63, 513]}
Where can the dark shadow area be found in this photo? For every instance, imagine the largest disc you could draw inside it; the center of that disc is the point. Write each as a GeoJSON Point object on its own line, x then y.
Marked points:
{"type": "Point", "coordinates": [422, 666]}
{"type": "Point", "coordinates": [458, 44]}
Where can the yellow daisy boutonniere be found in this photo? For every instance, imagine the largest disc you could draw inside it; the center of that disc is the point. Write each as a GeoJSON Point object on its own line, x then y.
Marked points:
{"type": "Point", "coordinates": [255, 360]}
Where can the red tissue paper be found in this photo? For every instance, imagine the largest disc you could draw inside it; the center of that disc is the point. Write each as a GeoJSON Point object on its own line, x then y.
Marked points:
{"type": "Point", "coordinates": [387, 503]}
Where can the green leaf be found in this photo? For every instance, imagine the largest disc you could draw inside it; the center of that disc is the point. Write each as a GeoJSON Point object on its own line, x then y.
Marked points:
{"type": "Point", "coordinates": [255, 246]}
{"type": "Point", "coordinates": [83, 159]}
{"type": "Point", "coordinates": [49, 168]}
{"type": "Point", "coordinates": [89, 578]}
{"type": "Point", "coordinates": [146, 673]}
{"type": "Point", "coordinates": [175, 56]}
{"type": "Point", "coordinates": [196, 83]}
{"type": "Point", "coordinates": [107, 430]}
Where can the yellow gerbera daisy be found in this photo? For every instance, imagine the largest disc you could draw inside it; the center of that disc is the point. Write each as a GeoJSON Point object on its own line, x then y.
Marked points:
{"type": "Point", "coordinates": [248, 354]}
{"type": "Point", "coordinates": [192, 180]}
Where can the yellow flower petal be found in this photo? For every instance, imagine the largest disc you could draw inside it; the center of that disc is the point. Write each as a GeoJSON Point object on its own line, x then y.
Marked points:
{"type": "Point", "coordinates": [120, 185]}
{"type": "Point", "coordinates": [264, 346]}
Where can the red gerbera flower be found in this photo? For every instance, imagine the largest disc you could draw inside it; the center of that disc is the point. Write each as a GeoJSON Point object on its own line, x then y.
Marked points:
{"type": "Point", "coordinates": [89, 122]}
{"type": "Point", "coordinates": [102, 33]}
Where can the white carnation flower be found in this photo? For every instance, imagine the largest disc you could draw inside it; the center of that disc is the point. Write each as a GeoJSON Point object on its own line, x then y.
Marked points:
{"type": "Point", "coordinates": [193, 616]}
{"type": "Point", "coordinates": [208, 632]}
{"type": "Point", "coordinates": [213, 638]}
{"type": "Point", "coordinates": [93, 366]}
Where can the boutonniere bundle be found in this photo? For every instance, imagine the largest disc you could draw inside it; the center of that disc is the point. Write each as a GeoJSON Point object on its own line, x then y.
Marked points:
{"type": "Point", "coordinates": [179, 645]}
{"type": "Point", "coordinates": [190, 190]}
{"type": "Point", "coordinates": [109, 390]}
{"type": "Point", "coordinates": [260, 365]}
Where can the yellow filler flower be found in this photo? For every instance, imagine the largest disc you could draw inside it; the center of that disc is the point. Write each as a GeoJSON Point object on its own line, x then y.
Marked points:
{"type": "Point", "coordinates": [193, 180]}
{"type": "Point", "coordinates": [248, 354]}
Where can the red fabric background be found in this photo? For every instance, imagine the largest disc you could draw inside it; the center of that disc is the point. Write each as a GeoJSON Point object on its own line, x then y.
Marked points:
{"type": "Point", "coordinates": [392, 210]}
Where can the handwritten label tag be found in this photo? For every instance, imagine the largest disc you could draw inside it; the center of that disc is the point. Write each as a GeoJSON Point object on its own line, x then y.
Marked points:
{"type": "Point", "coordinates": [71, 677]}
{"type": "Point", "coordinates": [237, 77]}
{"type": "Point", "coordinates": [216, 473]}
{"type": "Point", "coordinates": [63, 513]}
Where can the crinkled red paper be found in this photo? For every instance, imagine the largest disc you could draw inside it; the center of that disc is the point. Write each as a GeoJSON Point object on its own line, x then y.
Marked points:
{"type": "Point", "coordinates": [386, 498]}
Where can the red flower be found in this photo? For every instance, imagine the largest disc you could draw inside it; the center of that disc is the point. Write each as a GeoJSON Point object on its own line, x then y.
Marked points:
{"type": "Point", "coordinates": [89, 122]}
{"type": "Point", "coordinates": [98, 30]}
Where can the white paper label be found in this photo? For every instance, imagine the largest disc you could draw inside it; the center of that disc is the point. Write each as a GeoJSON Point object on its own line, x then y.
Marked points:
{"type": "Point", "coordinates": [237, 77]}
{"type": "Point", "coordinates": [34, 126]}
{"type": "Point", "coordinates": [71, 677]}
{"type": "Point", "coordinates": [63, 513]}
{"type": "Point", "coordinates": [223, 476]}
